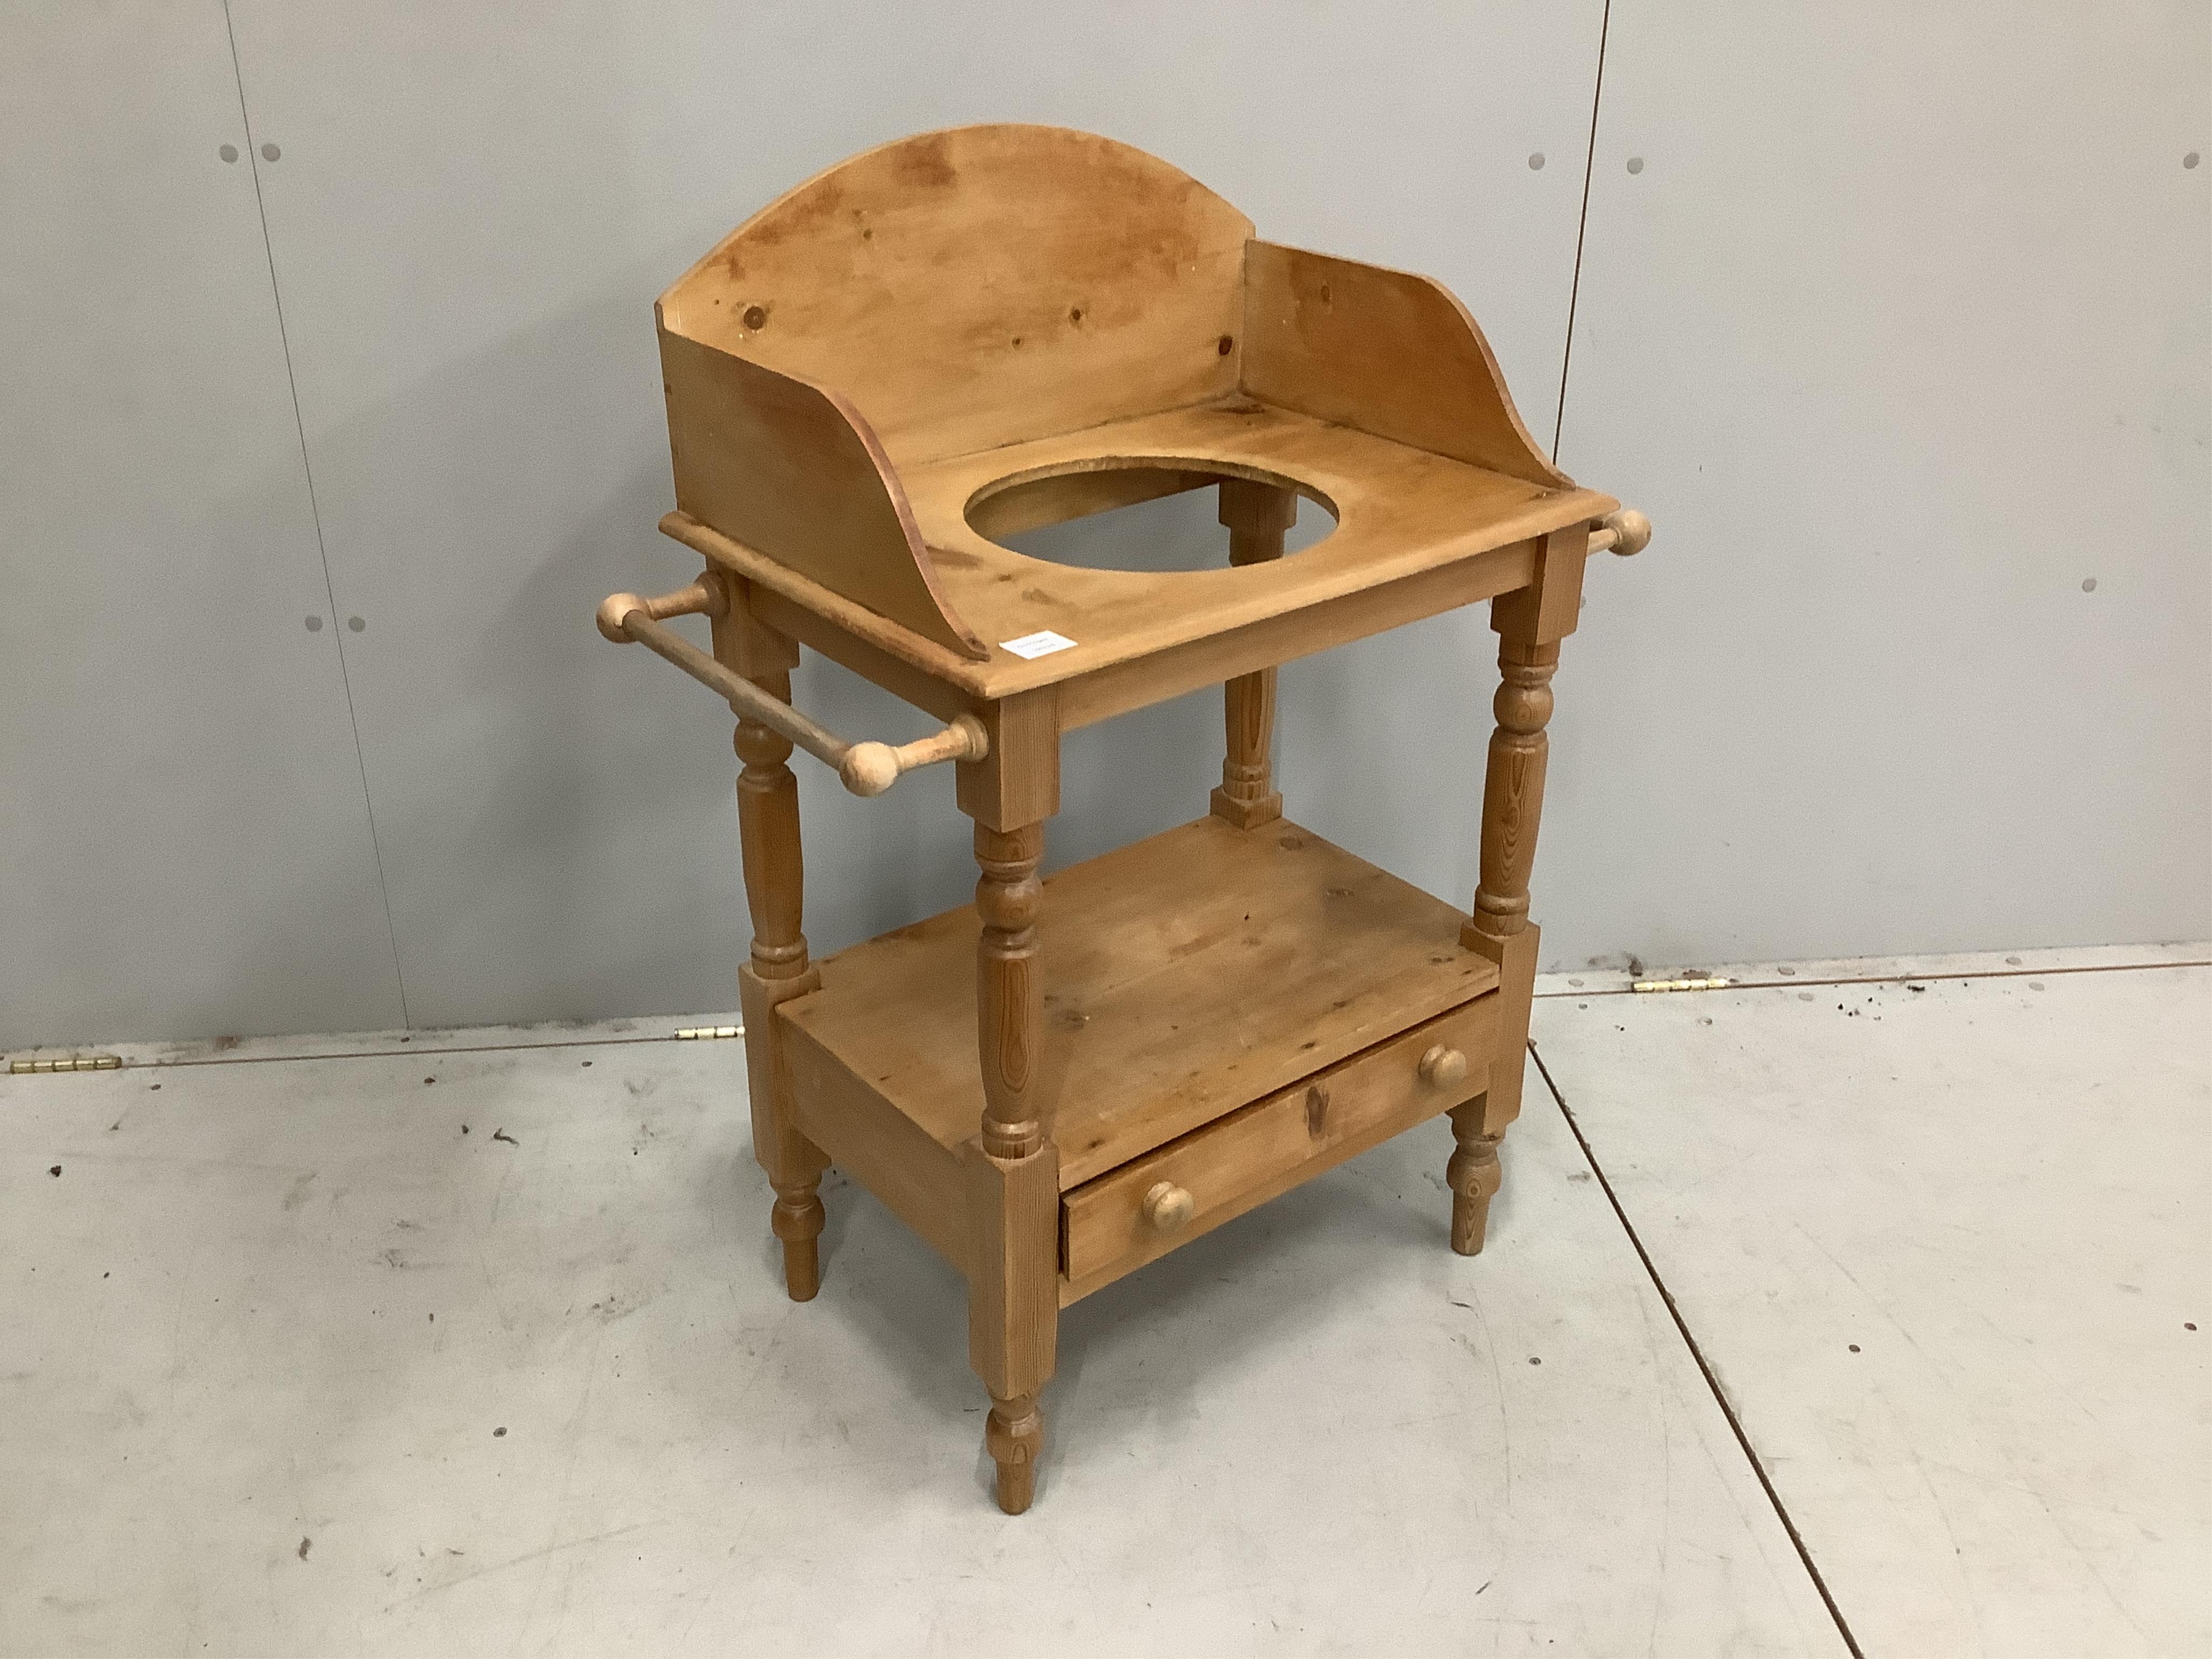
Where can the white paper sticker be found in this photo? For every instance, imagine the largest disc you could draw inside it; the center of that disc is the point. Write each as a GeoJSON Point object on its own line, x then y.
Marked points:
{"type": "Point", "coordinates": [1043, 643]}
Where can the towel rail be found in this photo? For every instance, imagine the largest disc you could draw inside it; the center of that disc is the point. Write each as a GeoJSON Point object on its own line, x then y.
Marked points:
{"type": "Point", "coordinates": [866, 768]}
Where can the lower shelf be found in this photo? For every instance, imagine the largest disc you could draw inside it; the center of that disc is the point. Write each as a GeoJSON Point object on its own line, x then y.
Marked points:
{"type": "Point", "coordinates": [1185, 977]}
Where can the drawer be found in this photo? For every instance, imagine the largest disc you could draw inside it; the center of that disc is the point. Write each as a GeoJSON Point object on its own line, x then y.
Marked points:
{"type": "Point", "coordinates": [1143, 1209]}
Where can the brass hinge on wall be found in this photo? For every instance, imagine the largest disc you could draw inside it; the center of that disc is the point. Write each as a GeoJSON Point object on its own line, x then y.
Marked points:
{"type": "Point", "coordinates": [66, 1063]}
{"type": "Point", "coordinates": [1706, 984]}
{"type": "Point", "coordinates": [707, 1033]}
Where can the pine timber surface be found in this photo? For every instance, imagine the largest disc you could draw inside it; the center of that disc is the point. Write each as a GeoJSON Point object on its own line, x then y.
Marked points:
{"type": "Point", "coordinates": [1269, 1147]}
{"type": "Point", "coordinates": [1184, 976]}
{"type": "Point", "coordinates": [1401, 512]}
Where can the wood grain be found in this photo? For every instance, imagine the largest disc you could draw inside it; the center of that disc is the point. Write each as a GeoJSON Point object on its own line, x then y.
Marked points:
{"type": "Point", "coordinates": [1513, 791]}
{"type": "Point", "coordinates": [972, 288]}
{"type": "Point", "coordinates": [1399, 509]}
{"type": "Point", "coordinates": [1018, 781]}
{"type": "Point", "coordinates": [1390, 353]}
{"type": "Point", "coordinates": [848, 635]}
{"type": "Point", "coordinates": [1256, 516]}
{"type": "Point", "coordinates": [779, 970]}
{"type": "Point", "coordinates": [963, 334]}
{"type": "Point", "coordinates": [791, 469]}
{"type": "Point", "coordinates": [1009, 991]}
{"type": "Point", "coordinates": [1512, 809]}
{"type": "Point", "coordinates": [1013, 1306]}
{"type": "Point", "coordinates": [1548, 609]}
{"type": "Point", "coordinates": [1264, 1149]}
{"type": "Point", "coordinates": [923, 1183]}
{"type": "Point", "coordinates": [1473, 1173]}
{"type": "Point", "coordinates": [1181, 977]}
{"type": "Point", "coordinates": [1401, 512]}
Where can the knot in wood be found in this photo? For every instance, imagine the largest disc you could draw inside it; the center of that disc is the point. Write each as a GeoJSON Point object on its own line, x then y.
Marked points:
{"type": "Point", "coordinates": [1474, 1170]}
{"type": "Point", "coordinates": [1316, 1110]}
{"type": "Point", "coordinates": [1009, 905]}
{"type": "Point", "coordinates": [1523, 702]}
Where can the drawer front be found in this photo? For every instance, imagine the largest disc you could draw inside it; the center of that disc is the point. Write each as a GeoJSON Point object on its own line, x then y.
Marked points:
{"type": "Point", "coordinates": [1146, 1208]}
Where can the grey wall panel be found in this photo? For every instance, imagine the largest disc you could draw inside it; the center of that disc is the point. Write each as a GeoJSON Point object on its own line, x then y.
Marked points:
{"type": "Point", "coordinates": [184, 839]}
{"type": "Point", "coordinates": [474, 208]}
{"type": "Point", "coordinates": [1903, 332]}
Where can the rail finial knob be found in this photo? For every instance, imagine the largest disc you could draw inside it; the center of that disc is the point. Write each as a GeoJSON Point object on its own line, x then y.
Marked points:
{"type": "Point", "coordinates": [614, 615]}
{"type": "Point", "coordinates": [1632, 531]}
{"type": "Point", "coordinates": [869, 769]}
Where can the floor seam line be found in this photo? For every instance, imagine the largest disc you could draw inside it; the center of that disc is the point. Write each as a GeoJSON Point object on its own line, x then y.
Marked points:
{"type": "Point", "coordinates": [1779, 984]}
{"type": "Point", "coordinates": [379, 1054]}
{"type": "Point", "coordinates": [1697, 1353]}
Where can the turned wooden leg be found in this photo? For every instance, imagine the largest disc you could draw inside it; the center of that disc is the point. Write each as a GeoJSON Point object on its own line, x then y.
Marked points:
{"type": "Point", "coordinates": [1257, 515]}
{"type": "Point", "coordinates": [768, 828]}
{"type": "Point", "coordinates": [1014, 1433]}
{"type": "Point", "coordinates": [797, 1220]}
{"type": "Point", "coordinates": [1014, 1201]}
{"type": "Point", "coordinates": [1512, 801]}
{"type": "Point", "coordinates": [1473, 1175]}
{"type": "Point", "coordinates": [1529, 622]}
{"type": "Point", "coordinates": [1013, 1291]}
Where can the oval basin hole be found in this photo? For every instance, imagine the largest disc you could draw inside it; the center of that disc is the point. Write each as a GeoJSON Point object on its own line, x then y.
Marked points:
{"type": "Point", "coordinates": [1153, 517]}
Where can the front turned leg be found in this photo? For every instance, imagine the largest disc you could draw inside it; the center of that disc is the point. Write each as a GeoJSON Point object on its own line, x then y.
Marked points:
{"type": "Point", "coordinates": [1529, 622]}
{"type": "Point", "coordinates": [1013, 1284]}
{"type": "Point", "coordinates": [1014, 1435]}
{"type": "Point", "coordinates": [768, 828]}
{"type": "Point", "coordinates": [768, 819]}
{"type": "Point", "coordinates": [1473, 1175]}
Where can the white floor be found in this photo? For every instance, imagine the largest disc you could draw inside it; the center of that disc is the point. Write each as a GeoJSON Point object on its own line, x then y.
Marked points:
{"type": "Point", "coordinates": [290, 1363]}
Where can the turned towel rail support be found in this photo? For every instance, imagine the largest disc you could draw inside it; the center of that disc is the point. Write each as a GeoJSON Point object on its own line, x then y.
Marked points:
{"type": "Point", "coordinates": [866, 768]}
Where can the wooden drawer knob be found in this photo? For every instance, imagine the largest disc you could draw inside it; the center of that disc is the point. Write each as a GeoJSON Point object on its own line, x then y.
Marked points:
{"type": "Point", "coordinates": [1444, 1068]}
{"type": "Point", "coordinates": [1168, 1206]}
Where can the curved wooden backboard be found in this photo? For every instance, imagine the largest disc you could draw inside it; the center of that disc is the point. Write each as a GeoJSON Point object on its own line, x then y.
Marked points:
{"type": "Point", "coordinates": [983, 285]}
{"type": "Point", "coordinates": [944, 293]}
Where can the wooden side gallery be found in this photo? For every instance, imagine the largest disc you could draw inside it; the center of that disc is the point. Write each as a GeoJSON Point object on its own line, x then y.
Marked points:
{"type": "Point", "coordinates": [961, 336]}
